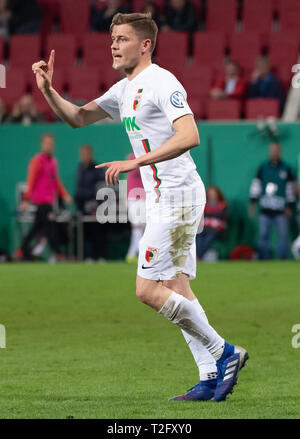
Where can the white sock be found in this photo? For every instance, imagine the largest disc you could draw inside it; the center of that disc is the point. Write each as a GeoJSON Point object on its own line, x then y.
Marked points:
{"type": "Point", "coordinates": [203, 358]}
{"type": "Point", "coordinates": [136, 234]}
{"type": "Point", "coordinates": [183, 313]}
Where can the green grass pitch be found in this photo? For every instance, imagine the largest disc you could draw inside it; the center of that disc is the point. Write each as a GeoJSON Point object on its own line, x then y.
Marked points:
{"type": "Point", "coordinates": [80, 344]}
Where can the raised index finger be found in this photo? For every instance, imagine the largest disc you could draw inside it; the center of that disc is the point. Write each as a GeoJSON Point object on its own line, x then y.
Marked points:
{"type": "Point", "coordinates": [103, 165]}
{"type": "Point", "coordinates": [51, 59]}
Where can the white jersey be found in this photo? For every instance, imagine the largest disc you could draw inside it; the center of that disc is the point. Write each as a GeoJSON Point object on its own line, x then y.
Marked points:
{"type": "Point", "coordinates": [148, 105]}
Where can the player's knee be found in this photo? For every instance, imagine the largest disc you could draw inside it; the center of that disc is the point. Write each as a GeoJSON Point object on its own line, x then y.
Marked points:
{"type": "Point", "coordinates": [142, 291]}
{"type": "Point", "coordinates": [141, 294]}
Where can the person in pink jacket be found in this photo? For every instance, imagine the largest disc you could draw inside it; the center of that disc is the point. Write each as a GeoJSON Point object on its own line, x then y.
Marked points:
{"type": "Point", "coordinates": [43, 188]}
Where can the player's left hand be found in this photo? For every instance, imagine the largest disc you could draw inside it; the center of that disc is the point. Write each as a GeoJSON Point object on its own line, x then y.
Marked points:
{"type": "Point", "coordinates": [68, 199]}
{"type": "Point", "coordinates": [116, 168]}
{"type": "Point", "coordinates": [24, 205]}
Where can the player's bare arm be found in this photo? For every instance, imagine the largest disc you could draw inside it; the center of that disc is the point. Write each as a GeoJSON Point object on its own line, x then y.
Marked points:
{"type": "Point", "coordinates": [73, 115]}
{"type": "Point", "coordinates": [185, 138]}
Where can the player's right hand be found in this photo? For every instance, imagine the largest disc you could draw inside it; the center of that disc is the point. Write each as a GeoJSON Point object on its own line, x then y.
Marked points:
{"type": "Point", "coordinates": [44, 72]}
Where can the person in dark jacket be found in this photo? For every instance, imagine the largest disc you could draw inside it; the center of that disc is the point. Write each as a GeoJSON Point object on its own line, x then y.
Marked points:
{"type": "Point", "coordinates": [87, 181]}
{"type": "Point", "coordinates": [265, 84]}
{"type": "Point", "coordinates": [25, 16]}
{"type": "Point", "coordinates": [152, 8]}
{"type": "Point", "coordinates": [101, 17]}
{"type": "Point", "coordinates": [215, 220]}
{"type": "Point", "coordinates": [180, 16]}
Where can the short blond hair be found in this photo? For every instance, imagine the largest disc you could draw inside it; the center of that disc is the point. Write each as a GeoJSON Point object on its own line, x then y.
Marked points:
{"type": "Point", "coordinates": [143, 24]}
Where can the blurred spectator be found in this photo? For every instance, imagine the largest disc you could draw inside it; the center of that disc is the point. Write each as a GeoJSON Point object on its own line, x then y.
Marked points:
{"type": "Point", "coordinates": [298, 206]}
{"type": "Point", "coordinates": [180, 16]}
{"type": "Point", "coordinates": [274, 189]}
{"type": "Point", "coordinates": [295, 248]}
{"type": "Point", "coordinates": [87, 182]}
{"type": "Point", "coordinates": [215, 220]}
{"type": "Point", "coordinates": [231, 85]}
{"type": "Point", "coordinates": [101, 18]}
{"type": "Point", "coordinates": [152, 8]}
{"type": "Point", "coordinates": [43, 188]}
{"type": "Point", "coordinates": [24, 112]}
{"type": "Point", "coordinates": [4, 20]}
{"type": "Point", "coordinates": [25, 16]}
{"type": "Point", "coordinates": [265, 84]}
{"type": "Point", "coordinates": [136, 211]}
{"type": "Point", "coordinates": [3, 114]}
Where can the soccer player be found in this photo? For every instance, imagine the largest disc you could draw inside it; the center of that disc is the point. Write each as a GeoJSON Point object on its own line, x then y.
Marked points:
{"type": "Point", "coordinates": [161, 128]}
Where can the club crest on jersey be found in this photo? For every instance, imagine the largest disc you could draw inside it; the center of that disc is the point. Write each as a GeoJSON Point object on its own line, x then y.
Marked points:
{"type": "Point", "coordinates": [137, 98]}
{"type": "Point", "coordinates": [177, 99]}
{"type": "Point", "coordinates": [151, 254]}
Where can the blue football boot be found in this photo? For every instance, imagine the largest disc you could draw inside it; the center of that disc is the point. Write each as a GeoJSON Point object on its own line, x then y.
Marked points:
{"type": "Point", "coordinates": [232, 360]}
{"type": "Point", "coordinates": [203, 391]}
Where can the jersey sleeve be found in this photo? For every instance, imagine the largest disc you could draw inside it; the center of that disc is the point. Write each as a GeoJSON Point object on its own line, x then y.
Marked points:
{"type": "Point", "coordinates": [109, 102]}
{"type": "Point", "coordinates": [171, 98]}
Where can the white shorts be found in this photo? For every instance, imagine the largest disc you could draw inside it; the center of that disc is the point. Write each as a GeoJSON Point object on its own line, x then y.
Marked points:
{"type": "Point", "coordinates": [137, 212]}
{"type": "Point", "coordinates": [168, 246]}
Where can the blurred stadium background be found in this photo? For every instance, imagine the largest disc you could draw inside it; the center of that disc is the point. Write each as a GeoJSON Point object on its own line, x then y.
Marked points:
{"type": "Point", "coordinates": [235, 132]}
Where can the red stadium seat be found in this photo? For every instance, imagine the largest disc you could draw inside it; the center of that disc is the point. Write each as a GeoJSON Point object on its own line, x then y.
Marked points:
{"type": "Point", "coordinates": [261, 108]}
{"type": "Point", "coordinates": [58, 81]}
{"type": "Point", "coordinates": [221, 15]}
{"type": "Point", "coordinates": [257, 15]}
{"type": "Point", "coordinates": [1, 50]}
{"type": "Point", "coordinates": [223, 109]}
{"type": "Point", "coordinates": [197, 107]}
{"type": "Point", "coordinates": [24, 51]}
{"type": "Point", "coordinates": [65, 50]}
{"type": "Point", "coordinates": [167, 57]}
{"type": "Point", "coordinates": [283, 49]}
{"type": "Point", "coordinates": [245, 48]}
{"type": "Point", "coordinates": [96, 50]}
{"type": "Point", "coordinates": [209, 50]}
{"type": "Point", "coordinates": [84, 84]}
{"type": "Point", "coordinates": [289, 15]}
{"type": "Point", "coordinates": [196, 80]}
{"type": "Point", "coordinates": [42, 105]}
{"type": "Point", "coordinates": [109, 77]}
{"type": "Point", "coordinates": [285, 74]}
{"type": "Point", "coordinates": [15, 88]}
{"type": "Point", "coordinates": [75, 18]}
